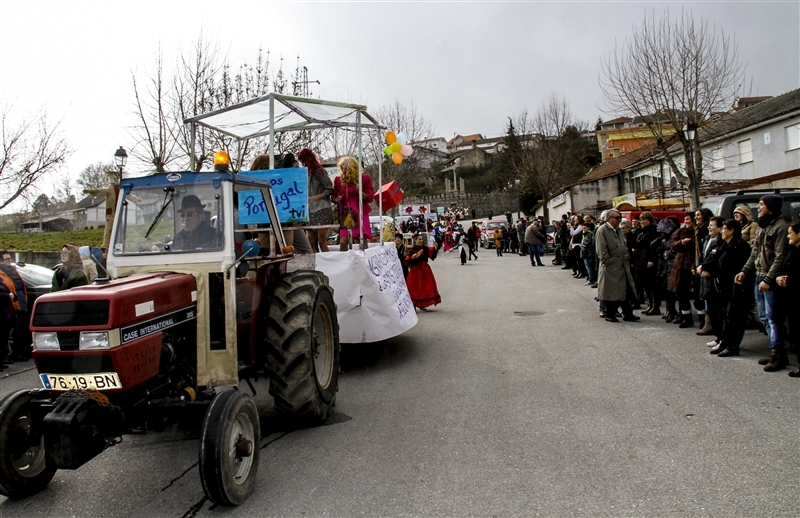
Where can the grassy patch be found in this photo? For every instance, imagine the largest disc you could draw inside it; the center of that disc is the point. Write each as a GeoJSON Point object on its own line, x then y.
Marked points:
{"type": "Point", "coordinates": [50, 241]}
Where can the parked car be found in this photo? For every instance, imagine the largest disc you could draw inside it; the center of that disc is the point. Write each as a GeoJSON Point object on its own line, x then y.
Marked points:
{"type": "Point", "coordinates": [550, 245]}
{"type": "Point", "coordinates": [38, 280]}
{"type": "Point", "coordinates": [724, 203]}
{"type": "Point", "coordinates": [487, 231]}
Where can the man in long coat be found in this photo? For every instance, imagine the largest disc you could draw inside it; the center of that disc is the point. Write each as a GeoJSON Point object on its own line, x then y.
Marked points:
{"type": "Point", "coordinates": [615, 284]}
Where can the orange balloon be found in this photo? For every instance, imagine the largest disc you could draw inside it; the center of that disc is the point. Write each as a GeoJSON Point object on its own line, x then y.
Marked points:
{"type": "Point", "coordinates": [391, 138]}
{"type": "Point", "coordinates": [397, 158]}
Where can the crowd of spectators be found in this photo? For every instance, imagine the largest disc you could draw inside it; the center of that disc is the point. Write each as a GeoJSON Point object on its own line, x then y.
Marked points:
{"type": "Point", "coordinates": [731, 274]}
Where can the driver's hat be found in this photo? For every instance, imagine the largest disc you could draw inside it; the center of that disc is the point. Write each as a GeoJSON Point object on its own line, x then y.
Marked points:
{"type": "Point", "coordinates": [191, 202]}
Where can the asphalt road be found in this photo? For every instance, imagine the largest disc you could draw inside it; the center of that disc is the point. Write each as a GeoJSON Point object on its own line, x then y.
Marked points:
{"type": "Point", "coordinates": [511, 398]}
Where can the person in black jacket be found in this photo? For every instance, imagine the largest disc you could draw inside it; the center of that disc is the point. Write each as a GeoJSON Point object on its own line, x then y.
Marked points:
{"type": "Point", "coordinates": [707, 293]}
{"type": "Point", "coordinates": [646, 261]}
{"type": "Point", "coordinates": [734, 299]}
{"type": "Point", "coordinates": [789, 279]}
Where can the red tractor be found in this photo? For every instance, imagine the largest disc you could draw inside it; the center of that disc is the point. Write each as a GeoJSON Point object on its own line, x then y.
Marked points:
{"type": "Point", "coordinates": [192, 309]}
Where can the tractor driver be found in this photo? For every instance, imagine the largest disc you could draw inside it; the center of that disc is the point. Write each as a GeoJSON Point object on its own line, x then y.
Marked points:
{"type": "Point", "coordinates": [196, 233]}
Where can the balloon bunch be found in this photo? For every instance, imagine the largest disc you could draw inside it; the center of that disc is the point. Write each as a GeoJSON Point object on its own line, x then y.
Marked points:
{"type": "Point", "coordinates": [398, 146]}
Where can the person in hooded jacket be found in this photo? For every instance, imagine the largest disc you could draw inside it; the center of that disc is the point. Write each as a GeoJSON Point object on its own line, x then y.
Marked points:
{"type": "Point", "coordinates": [744, 215]}
{"type": "Point", "coordinates": [89, 267]}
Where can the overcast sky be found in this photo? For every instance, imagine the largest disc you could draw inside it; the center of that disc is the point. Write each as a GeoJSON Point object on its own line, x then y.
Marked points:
{"type": "Point", "coordinates": [466, 66]}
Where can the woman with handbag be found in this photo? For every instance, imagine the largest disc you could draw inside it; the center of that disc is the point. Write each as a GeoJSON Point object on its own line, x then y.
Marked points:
{"type": "Point", "coordinates": [352, 224]}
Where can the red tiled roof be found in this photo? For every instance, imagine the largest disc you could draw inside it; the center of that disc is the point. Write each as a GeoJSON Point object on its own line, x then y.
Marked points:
{"type": "Point", "coordinates": [613, 166]}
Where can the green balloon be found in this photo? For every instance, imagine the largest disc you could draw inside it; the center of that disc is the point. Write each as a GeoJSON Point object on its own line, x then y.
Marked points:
{"type": "Point", "coordinates": [388, 150]}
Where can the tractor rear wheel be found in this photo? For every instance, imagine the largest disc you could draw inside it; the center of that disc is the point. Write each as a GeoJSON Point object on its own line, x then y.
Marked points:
{"type": "Point", "coordinates": [229, 448]}
{"type": "Point", "coordinates": [303, 347]}
{"type": "Point", "coordinates": [25, 468]}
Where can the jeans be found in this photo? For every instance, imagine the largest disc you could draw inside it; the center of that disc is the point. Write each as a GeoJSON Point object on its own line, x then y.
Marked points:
{"type": "Point", "coordinates": [591, 275]}
{"type": "Point", "coordinates": [533, 251]}
{"type": "Point", "coordinates": [770, 313]}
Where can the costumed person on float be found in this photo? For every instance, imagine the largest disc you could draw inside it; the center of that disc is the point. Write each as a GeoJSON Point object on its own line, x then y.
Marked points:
{"type": "Point", "coordinates": [346, 194]}
{"type": "Point", "coordinates": [110, 191]}
{"type": "Point", "coordinates": [421, 282]}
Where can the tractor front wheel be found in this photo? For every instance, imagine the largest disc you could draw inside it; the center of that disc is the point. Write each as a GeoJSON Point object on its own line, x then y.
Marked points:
{"type": "Point", "coordinates": [25, 468]}
{"type": "Point", "coordinates": [229, 448]}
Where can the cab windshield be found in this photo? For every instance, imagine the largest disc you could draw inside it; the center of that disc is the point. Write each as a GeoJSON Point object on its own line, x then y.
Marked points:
{"type": "Point", "coordinates": [170, 219]}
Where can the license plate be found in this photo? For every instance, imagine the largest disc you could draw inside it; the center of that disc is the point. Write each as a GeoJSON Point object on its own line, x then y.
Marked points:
{"type": "Point", "coordinates": [97, 381]}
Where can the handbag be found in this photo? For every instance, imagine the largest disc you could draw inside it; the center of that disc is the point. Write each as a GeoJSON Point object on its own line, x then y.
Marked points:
{"type": "Point", "coordinates": [348, 217]}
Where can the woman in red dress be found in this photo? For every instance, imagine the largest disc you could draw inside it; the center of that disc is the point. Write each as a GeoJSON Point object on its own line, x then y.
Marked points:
{"type": "Point", "coordinates": [421, 282]}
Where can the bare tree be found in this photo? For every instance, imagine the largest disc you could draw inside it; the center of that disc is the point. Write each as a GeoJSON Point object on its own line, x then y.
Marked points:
{"type": "Point", "coordinates": [203, 81]}
{"type": "Point", "coordinates": [65, 195]}
{"type": "Point", "coordinates": [551, 151]}
{"type": "Point", "coordinates": [671, 72]}
{"type": "Point", "coordinates": [94, 176]}
{"type": "Point", "coordinates": [32, 149]}
{"type": "Point", "coordinates": [156, 127]}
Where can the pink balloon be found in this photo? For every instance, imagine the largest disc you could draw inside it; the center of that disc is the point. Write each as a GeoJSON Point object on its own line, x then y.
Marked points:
{"type": "Point", "coordinates": [407, 150]}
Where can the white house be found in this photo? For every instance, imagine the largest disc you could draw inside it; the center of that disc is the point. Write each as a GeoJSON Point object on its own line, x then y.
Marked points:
{"type": "Point", "coordinates": [755, 146]}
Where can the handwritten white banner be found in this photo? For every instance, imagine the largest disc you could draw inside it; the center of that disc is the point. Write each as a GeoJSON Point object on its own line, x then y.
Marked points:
{"type": "Point", "coordinates": [370, 292]}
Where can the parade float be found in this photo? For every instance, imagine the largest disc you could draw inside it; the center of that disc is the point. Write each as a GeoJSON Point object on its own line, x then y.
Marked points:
{"type": "Point", "coordinates": [370, 293]}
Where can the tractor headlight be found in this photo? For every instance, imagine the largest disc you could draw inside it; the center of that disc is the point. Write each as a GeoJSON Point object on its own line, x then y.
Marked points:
{"type": "Point", "coordinates": [46, 342]}
{"type": "Point", "coordinates": [93, 340]}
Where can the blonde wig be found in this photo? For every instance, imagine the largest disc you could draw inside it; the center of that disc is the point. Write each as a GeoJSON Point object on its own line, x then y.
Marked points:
{"type": "Point", "coordinates": [349, 168]}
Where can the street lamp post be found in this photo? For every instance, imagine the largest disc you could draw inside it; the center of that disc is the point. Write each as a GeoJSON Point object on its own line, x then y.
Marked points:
{"type": "Point", "coordinates": [689, 131]}
{"type": "Point", "coordinates": [121, 158]}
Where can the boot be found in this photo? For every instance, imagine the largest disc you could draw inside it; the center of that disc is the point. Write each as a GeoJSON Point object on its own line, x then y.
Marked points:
{"type": "Point", "coordinates": [649, 307]}
{"type": "Point", "coordinates": [707, 328]}
{"type": "Point", "coordinates": [686, 320]}
{"type": "Point", "coordinates": [777, 360]}
{"type": "Point", "coordinates": [701, 317]}
{"type": "Point", "coordinates": [670, 316]}
{"type": "Point", "coordinates": [652, 306]}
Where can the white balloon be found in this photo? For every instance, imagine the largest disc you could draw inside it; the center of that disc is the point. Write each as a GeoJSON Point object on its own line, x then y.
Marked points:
{"type": "Point", "coordinates": [402, 137]}
{"type": "Point", "coordinates": [406, 150]}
